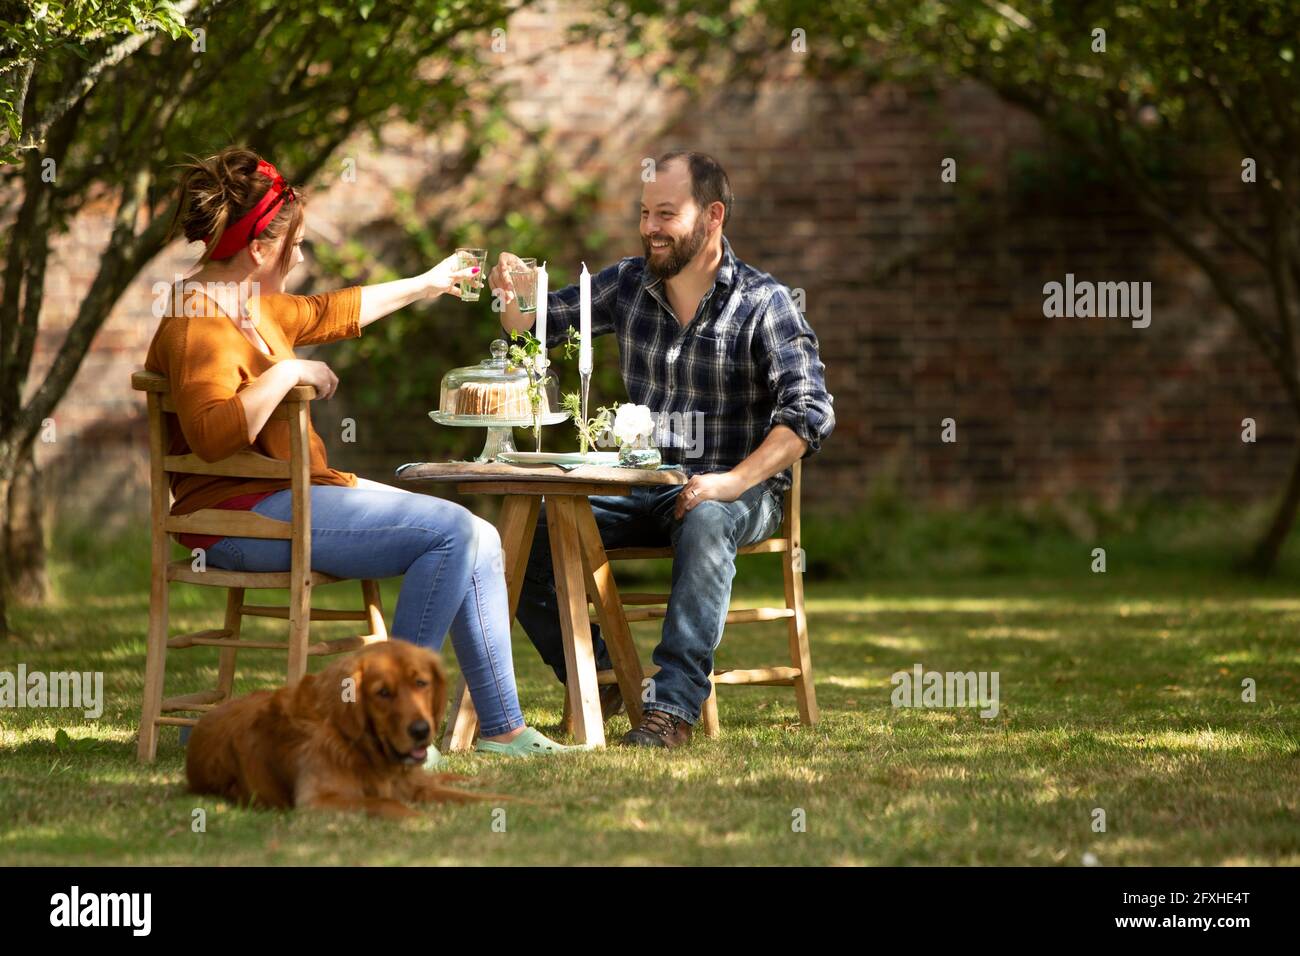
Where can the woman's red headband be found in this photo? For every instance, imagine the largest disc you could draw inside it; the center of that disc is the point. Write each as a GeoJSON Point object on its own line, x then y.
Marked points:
{"type": "Point", "coordinates": [249, 226]}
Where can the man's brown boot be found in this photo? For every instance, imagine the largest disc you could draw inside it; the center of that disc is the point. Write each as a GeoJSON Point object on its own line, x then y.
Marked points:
{"type": "Point", "coordinates": [659, 729]}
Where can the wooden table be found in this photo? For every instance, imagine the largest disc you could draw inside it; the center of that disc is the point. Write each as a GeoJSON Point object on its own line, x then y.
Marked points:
{"type": "Point", "coordinates": [582, 574]}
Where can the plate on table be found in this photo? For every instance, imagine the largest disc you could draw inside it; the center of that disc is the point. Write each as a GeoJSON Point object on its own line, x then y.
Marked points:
{"type": "Point", "coordinates": [559, 458]}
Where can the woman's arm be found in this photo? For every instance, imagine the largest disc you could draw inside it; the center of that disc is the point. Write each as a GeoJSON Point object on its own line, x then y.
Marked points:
{"type": "Point", "coordinates": [384, 298]}
{"type": "Point", "coordinates": [268, 389]}
{"type": "Point", "coordinates": [266, 392]}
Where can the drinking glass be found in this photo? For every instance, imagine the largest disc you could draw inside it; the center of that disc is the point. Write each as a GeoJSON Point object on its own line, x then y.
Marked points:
{"type": "Point", "coordinates": [470, 288]}
{"type": "Point", "coordinates": [524, 278]}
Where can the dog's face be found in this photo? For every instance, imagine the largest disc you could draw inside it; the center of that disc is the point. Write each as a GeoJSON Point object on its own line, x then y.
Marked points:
{"type": "Point", "coordinates": [400, 691]}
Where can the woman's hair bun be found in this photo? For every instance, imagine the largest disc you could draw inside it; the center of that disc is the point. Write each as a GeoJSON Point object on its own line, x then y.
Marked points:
{"type": "Point", "coordinates": [218, 190]}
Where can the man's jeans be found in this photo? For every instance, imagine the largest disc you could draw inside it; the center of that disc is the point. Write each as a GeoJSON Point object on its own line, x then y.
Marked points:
{"type": "Point", "coordinates": [705, 543]}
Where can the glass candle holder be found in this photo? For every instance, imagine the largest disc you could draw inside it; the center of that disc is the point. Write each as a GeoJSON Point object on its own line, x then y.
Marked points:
{"type": "Point", "coordinates": [641, 453]}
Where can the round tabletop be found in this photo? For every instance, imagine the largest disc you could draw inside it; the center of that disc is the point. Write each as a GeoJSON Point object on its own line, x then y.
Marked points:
{"type": "Point", "coordinates": [488, 471]}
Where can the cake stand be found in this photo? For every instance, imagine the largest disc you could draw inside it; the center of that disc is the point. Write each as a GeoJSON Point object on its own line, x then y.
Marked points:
{"type": "Point", "coordinates": [500, 431]}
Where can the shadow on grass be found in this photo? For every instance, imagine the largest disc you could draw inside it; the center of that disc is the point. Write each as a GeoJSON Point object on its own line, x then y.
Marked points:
{"type": "Point", "coordinates": [1120, 691]}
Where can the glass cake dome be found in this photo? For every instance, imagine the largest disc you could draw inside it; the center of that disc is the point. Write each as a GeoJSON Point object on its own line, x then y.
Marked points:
{"type": "Point", "coordinates": [494, 394]}
{"type": "Point", "coordinates": [495, 390]}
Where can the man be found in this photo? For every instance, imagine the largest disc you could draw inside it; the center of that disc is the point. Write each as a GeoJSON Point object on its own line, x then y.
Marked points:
{"type": "Point", "coordinates": [703, 339]}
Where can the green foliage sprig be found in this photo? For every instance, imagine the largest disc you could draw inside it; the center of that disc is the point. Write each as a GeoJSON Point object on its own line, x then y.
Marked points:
{"type": "Point", "coordinates": [591, 429]}
{"type": "Point", "coordinates": [526, 353]}
{"type": "Point", "coordinates": [572, 341]}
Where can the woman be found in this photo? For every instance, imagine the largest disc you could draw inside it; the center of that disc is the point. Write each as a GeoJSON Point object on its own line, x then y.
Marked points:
{"type": "Point", "coordinates": [226, 346]}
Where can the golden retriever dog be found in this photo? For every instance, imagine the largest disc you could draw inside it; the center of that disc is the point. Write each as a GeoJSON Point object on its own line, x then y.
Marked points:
{"type": "Point", "coordinates": [353, 737]}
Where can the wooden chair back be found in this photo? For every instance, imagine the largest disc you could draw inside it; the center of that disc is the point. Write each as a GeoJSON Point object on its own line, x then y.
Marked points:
{"type": "Point", "coordinates": [295, 409]}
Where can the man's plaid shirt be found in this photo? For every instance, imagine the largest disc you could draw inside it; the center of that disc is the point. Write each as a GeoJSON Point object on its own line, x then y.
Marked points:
{"type": "Point", "coordinates": [746, 362]}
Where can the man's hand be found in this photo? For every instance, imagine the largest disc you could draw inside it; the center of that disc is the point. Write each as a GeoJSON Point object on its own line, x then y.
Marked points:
{"type": "Point", "coordinates": [719, 486]}
{"type": "Point", "coordinates": [499, 278]}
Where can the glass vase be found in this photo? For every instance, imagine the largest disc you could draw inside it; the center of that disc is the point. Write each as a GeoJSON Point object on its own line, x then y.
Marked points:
{"type": "Point", "coordinates": [639, 454]}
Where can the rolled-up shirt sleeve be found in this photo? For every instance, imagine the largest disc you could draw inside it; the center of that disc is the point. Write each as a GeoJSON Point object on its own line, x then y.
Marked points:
{"type": "Point", "coordinates": [564, 307]}
{"type": "Point", "coordinates": [205, 389]}
{"type": "Point", "coordinates": [313, 319]}
{"type": "Point", "coordinates": [788, 356]}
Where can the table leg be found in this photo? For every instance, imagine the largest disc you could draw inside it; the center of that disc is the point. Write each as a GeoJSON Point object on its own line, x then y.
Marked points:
{"type": "Point", "coordinates": [609, 609]}
{"type": "Point", "coordinates": [516, 524]}
{"type": "Point", "coordinates": [571, 591]}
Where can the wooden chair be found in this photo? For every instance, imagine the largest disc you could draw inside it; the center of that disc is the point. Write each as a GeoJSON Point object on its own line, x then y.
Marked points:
{"type": "Point", "coordinates": [299, 580]}
{"type": "Point", "coordinates": [798, 674]}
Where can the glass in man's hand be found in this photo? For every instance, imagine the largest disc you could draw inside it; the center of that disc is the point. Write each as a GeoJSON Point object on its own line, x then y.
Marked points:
{"type": "Point", "coordinates": [523, 276]}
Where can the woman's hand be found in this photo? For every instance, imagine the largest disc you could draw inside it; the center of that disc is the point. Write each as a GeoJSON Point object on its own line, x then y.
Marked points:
{"type": "Point", "coordinates": [443, 277]}
{"type": "Point", "coordinates": [265, 392]}
{"type": "Point", "coordinates": [318, 375]}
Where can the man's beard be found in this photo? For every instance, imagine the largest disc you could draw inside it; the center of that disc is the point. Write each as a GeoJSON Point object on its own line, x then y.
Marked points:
{"type": "Point", "coordinates": [678, 254]}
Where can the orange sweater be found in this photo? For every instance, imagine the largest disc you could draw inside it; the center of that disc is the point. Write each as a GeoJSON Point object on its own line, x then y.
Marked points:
{"type": "Point", "coordinates": [208, 360]}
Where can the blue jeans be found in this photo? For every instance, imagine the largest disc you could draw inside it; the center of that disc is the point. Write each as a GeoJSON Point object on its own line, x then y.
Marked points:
{"type": "Point", "coordinates": [704, 564]}
{"type": "Point", "coordinates": [451, 567]}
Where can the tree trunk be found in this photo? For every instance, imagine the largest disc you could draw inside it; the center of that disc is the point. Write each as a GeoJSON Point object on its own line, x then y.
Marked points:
{"type": "Point", "coordinates": [1263, 559]}
{"type": "Point", "coordinates": [4, 579]}
{"type": "Point", "coordinates": [24, 533]}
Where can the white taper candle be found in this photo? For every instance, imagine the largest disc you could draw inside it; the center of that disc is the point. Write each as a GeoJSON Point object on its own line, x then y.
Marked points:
{"type": "Point", "coordinates": [541, 308]}
{"type": "Point", "coordinates": [584, 321]}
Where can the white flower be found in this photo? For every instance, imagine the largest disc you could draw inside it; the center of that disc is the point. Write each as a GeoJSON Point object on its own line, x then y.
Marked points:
{"type": "Point", "coordinates": [528, 361]}
{"type": "Point", "coordinates": [633, 422]}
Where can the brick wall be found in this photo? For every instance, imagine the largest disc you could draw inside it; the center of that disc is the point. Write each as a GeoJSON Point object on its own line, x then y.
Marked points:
{"type": "Point", "coordinates": [926, 296]}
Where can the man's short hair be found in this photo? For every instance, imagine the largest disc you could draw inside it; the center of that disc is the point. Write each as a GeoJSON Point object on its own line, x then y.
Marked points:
{"type": "Point", "coordinates": [709, 183]}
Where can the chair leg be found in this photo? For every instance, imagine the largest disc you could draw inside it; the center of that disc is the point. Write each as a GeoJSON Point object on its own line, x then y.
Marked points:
{"type": "Point", "coordinates": [375, 609]}
{"type": "Point", "coordinates": [462, 720]}
{"type": "Point", "coordinates": [299, 628]}
{"type": "Point", "coordinates": [800, 655]}
{"type": "Point", "coordinates": [566, 717]}
{"type": "Point", "coordinates": [155, 658]}
{"type": "Point", "coordinates": [709, 713]}
{"type": "Point", "coordinates": [234, 618]}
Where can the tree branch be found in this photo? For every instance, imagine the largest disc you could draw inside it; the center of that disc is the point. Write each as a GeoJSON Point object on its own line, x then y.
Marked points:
{"type": "Point", "coordinates": [125, 255]}
{"type": "Point", "coordinates": [38, 247]}
{"type": "Point", "coordinates": [84, 83]}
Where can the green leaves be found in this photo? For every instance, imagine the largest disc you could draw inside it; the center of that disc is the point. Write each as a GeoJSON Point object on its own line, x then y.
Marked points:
{"type": "Point", "coordinates": [589, 430]}
{"type": "Point", "coordinates": [171, 20]}
{"type": "Point", "coordinates": [524, 354]}
{"type": "Point", "coordinates": [572, 342]}
{"type": "Point", "coordinates": [51, 31]}
{"type": "Point", "coordinates": [63, 743]}
{"type": "Point", "coordinates": [529, 346]}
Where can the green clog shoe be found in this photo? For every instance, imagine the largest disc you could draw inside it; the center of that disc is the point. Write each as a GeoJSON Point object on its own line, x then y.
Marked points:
{"type": "Point", "coordinates": [531, 743]}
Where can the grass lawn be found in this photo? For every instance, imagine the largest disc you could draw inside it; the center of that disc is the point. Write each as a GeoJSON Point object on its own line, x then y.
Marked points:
{"type": "Point", "coordinates": [1120, 691]}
